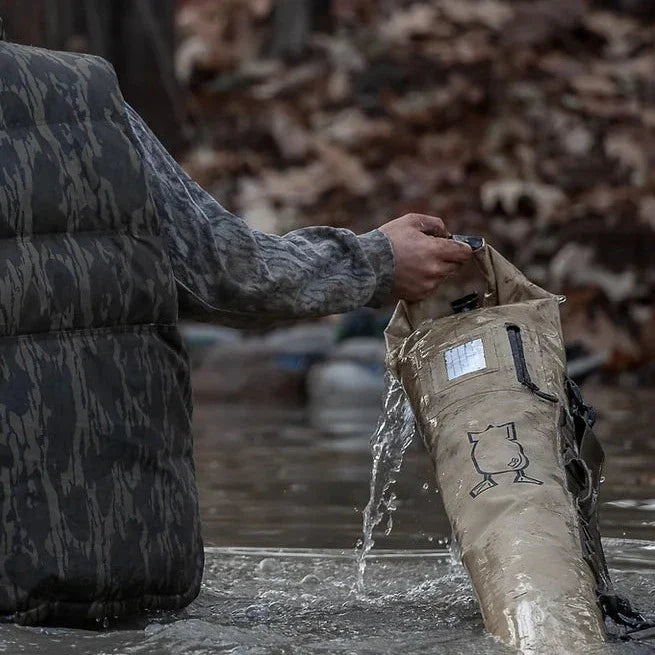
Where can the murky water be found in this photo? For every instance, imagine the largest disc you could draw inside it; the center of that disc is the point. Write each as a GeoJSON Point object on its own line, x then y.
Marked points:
{"type": "Point", "coordinates": [282, 507]}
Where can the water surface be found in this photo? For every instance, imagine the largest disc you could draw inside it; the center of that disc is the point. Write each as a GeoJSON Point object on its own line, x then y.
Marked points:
{"type": "Point", "coordinates": [266, 479]}
{"type": "Point", "coordinates": [299, 602]}
{"type": "Point", "coordinates": [282, 513]}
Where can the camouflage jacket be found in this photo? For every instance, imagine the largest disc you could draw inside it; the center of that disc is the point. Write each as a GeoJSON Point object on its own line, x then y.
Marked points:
{"type": "Point", "coordinates": [104, 244]}
{"type": "Point", "coordinates": [231, 274]}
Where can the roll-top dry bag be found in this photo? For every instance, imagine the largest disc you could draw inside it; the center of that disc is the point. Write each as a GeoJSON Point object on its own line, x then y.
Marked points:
{"type": "Point", "coordinates": [517, 464]}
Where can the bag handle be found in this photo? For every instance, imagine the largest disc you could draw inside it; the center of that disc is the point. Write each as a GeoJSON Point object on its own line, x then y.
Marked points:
{"type": "Point", "coordinates": [505, 283]}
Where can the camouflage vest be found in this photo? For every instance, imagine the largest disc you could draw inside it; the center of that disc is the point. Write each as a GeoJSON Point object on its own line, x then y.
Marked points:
{"type": "Point", "coordinates": [98, 504]}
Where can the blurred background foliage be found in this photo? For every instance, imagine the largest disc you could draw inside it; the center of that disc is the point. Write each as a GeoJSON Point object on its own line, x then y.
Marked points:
{"type": "Point", "coordinates": [530, 122]}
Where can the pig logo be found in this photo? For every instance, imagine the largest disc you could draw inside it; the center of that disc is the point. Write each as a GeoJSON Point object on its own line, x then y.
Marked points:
{"type": "Point", "coordinates": [495, 451]}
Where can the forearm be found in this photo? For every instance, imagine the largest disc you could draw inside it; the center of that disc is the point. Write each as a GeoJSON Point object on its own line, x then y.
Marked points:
{"type": "Point", "coordinates": [245, 278]}
{"type": "Point", "coordinates": [228, 273]}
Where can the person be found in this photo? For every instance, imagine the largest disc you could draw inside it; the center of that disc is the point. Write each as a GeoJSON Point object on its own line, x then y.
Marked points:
{"type": "Point", "coordinates": [106, 245]}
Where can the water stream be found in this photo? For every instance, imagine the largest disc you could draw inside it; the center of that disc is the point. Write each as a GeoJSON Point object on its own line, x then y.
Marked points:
{"type": "Point", "coordinates": [395, 432]}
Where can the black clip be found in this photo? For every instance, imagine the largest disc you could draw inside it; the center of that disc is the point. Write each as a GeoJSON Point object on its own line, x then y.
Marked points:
{"type": "Point", "coordinates": [475, 243]}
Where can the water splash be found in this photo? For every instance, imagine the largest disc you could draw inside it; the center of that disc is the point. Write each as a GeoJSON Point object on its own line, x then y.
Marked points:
{"type": "Point", "coordinates": [394, 433]}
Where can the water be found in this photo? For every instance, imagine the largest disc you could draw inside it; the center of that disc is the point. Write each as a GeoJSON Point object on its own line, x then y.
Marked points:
{"type": "Point", "coordinates": [299, 602]}
{"type": "Point", "coordinates": [395, 432]}
{"type": "Point", "coordinates": [282, 510]}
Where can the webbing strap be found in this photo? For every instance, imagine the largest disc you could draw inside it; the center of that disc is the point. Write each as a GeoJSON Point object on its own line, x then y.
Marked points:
{"type": "Point", "coordinates": [583, 460]}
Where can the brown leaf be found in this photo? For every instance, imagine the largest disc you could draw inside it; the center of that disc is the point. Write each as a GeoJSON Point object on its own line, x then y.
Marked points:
{"type": "Point", "coordinates": [575, 265]}
{"type": "Point", "coordinates": [629, 153]}
{"type": "Point", "coordinates": [540, 21]}
{"type": "Point", "coordinates": [490, 13]}
{"type": "Point", "coordinates": [291, 137]}
{"type": "Point", "coordinates": [301, 186]}
{"type": "Point", "coordinates": [345, 169]}
{"type": "Point", "coordinates": [599, 86]}
{"type": "Point", "coordinates": [289, 81]}
{"type": "Point", "coordinates": [416, 20]}
{"type": "Point", "coordinates": [510, 195]}
{"type": "Point", "coordinates": [351, 128]}
{"type": "Point", "coordinates": [600, 334]}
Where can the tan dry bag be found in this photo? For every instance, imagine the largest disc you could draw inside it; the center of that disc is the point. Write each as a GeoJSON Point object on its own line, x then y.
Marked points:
{"type": "Point", "coordinates": [517, 464]}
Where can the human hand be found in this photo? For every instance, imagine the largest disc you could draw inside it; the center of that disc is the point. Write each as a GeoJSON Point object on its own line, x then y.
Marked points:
{"type": "Point", "coordinates": [423, 255]}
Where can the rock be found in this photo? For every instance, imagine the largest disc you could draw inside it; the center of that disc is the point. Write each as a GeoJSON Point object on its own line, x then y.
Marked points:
{"type": "Point", "coordinates": [268, 370]}
{"type": "Point", "coordinates": [345, 392]}
{"type": "Point", "coordinates": [257, 613]}
{"type": "Point", "coordinates": [314, 339]}
{"type": "Point", "coordinates": [200, 338]}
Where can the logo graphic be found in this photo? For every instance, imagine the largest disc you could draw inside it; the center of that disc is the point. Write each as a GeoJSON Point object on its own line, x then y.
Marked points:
{"type": "Point", "coordinates": [495, 451]}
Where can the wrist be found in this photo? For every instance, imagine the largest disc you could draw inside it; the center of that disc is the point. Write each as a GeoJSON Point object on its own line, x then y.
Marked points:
{"type": "Point", "coordinates": [379, 252]}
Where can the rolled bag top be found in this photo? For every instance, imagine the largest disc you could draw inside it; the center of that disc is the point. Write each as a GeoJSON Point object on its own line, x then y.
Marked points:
{"type": "Point", "coordinates": [505, 285]}
{"type": "Point", "coordinates": [517, 462]}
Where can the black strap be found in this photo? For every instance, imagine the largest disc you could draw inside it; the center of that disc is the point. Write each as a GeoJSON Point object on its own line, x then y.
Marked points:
{"type": "Point", "coordinates": [583, 460]}
{"type": "Point", "coordinates": [521, 365]}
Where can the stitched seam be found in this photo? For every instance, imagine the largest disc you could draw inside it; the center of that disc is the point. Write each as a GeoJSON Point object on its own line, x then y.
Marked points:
{"type": "Point", "coordinates": [119, 328]}
{"type": "Point", "coordinates": [121, 232]}
{"type": "Point", "coordinates": [114, 119]}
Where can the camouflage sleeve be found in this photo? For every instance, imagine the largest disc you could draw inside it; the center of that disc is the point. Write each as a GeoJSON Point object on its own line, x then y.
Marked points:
{"type": "Point", "coordinates": [228, 273]}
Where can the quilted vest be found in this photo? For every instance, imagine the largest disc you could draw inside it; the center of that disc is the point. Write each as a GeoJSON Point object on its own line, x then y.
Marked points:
{"type": "Point", "coordinates": [98, 503]}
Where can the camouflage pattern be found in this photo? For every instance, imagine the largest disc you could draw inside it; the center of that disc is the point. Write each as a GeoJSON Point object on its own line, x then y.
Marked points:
{"type": "Point", "coordinates": [104, 238]}
{"type": "Point", "coordinates": [97, 495]}
{"type": "Point", "coordinates": [231, 274]}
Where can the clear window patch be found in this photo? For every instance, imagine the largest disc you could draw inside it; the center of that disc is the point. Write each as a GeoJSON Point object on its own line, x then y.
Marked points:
{"type": "Point", "coordinates": [467, 358]}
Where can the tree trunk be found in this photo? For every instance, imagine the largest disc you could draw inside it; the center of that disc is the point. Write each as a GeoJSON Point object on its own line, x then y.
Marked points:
{"type": "Point", "coordinates": [137, 36]}
{"type": "Point", "coordinates": [24, 21]}
{"type": "Point", "coordinates": [142, 49]}
{"type": "Point", "coordinates": [291, 27]}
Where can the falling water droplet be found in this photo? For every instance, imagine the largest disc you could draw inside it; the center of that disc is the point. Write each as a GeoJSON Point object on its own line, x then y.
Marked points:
{"type": "Point", "coordinates": [310, 581]}
{"type": "Point", "coordinates": [257, 613]}
{"type": "Point", "coordinates": [267, 565]}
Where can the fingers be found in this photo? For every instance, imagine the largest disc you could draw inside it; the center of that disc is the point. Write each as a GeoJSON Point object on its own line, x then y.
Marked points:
{"type": "Point", "coordinates": [431, 279]}
{"type": "Point", "coordinates": [451, 251]}
{"type": "Point", "coordinates": [423, 254]}
{"type": "Point", "coordinates": [434, 268]}
{"type": "Point", "coordinates": [444, 269]}
{"type": "Point", "coordinates": [442, 259]}
{"type": "Point", "coordinates": [439, 270]}
{"type": "Point", "coordinates": [431, 225]}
